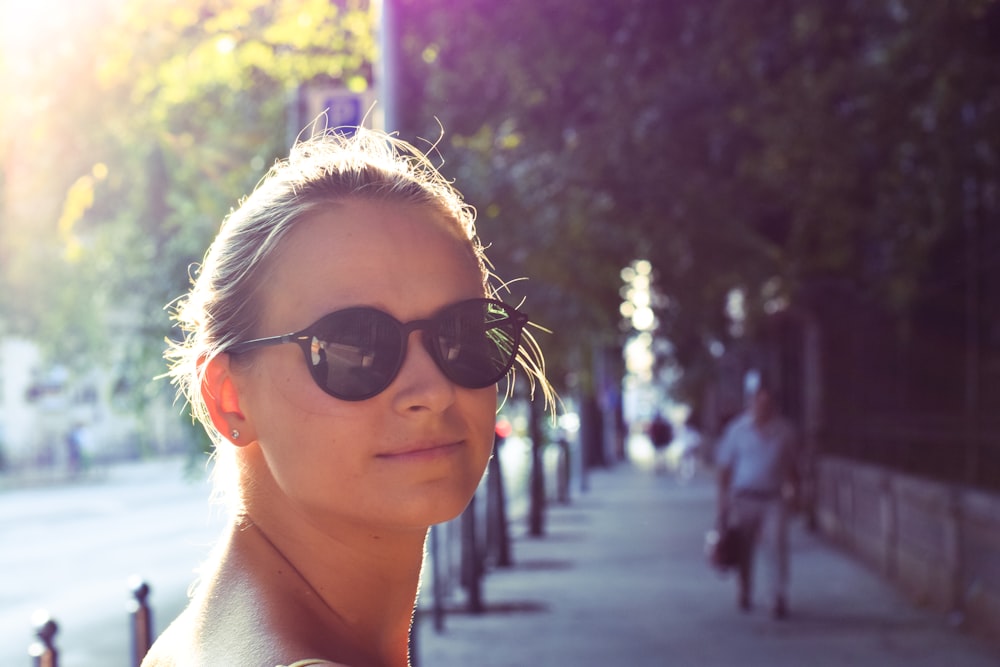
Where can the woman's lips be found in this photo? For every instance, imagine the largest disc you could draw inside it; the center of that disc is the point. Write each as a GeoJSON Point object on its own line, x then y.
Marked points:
{"type": "Point", "coordinates": [422, 450]}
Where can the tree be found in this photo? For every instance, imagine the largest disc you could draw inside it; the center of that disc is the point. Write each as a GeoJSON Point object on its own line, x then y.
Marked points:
{"type": "Point", "coordinates": [130, 144]}
{"type": "Point", "coordinates": [765, 147]}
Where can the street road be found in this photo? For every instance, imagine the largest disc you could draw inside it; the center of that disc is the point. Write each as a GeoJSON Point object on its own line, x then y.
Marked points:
{"type": "Point", "coordinates": [71, 548]}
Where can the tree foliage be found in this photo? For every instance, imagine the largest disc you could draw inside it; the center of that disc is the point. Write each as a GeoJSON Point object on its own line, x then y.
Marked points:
{"type": "Point", "coordinates": [131, 143]}
{"type": "Point", "coordinates": [766, 146]}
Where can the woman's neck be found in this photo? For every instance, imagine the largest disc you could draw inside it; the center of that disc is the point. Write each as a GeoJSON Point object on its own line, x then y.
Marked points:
{"type": "Point", "coordinates": [366, 580]}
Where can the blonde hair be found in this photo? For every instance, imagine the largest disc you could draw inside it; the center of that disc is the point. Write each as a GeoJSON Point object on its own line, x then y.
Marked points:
{"type": "Point", "coordinates": [220, 309]}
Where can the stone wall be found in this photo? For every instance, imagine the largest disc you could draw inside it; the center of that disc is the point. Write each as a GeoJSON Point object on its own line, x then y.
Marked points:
{"type": "Point", "coordinates": [939, 543]}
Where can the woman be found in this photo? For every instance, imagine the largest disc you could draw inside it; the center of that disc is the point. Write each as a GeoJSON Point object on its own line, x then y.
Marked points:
{"type": "Point", "coordinates": [342, 347]}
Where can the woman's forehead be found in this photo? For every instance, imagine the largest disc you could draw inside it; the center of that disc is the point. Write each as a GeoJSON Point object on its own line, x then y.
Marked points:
{"type": "Point", "coordinates": [359, 253]}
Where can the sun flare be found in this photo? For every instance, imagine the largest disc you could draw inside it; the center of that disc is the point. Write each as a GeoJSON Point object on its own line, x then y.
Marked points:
{"type": "Point", "coordinates": [26, 25]}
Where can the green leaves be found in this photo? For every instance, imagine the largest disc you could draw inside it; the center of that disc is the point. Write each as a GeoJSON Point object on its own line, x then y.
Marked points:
{"type": "Point", "coordinates": [759, 145]}
{"type": "Point", "coordinates": [183, 105]}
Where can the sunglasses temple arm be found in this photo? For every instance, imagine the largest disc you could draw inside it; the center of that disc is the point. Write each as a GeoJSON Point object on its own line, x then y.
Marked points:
{"type": "Point", "coordinates": [266, 342]}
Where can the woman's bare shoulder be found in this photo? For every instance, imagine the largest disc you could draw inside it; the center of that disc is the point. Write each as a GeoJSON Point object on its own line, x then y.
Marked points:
{"type": "Point", "coordinates": [242, 613]}
{"type": "Point", "coordinates": [236, 640]}
{"type": "Point", "coordinates": [169, 650]}
{"type": "Point", "coordinates": [222, 621]}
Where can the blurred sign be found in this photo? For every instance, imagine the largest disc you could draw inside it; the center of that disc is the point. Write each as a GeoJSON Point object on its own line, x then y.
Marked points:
{"type": "Point", "coordinates": [343, 109]}
{"type": "Point", "coordinates": [340, 106]}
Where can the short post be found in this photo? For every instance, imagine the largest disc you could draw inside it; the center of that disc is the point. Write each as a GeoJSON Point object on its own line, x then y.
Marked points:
{"type": "Point", "coordinates": [536, 490]}
{"type": "Point", "coordinates": [471, 566]}
{"type": "Point", "coordinates": [563, 472]}
{"type": "Point", "coordinates": [497, 532]}
{"type": "Point", "coordinates": [43, 651]}
{"type": "Point", "coordinates": [141, 620]}
{"type": "Point", "coordinates": [955, 556]}
{"type": "Point", "coordinates": [412, 648]}
{"type": "Point", "coordinates": [437, 582]}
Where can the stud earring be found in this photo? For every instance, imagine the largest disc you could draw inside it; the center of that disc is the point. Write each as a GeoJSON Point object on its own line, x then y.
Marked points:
{"type": "Point", "coordinates": [235, 434]}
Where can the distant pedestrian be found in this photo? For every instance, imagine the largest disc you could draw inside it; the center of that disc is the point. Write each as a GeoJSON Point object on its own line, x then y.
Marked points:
{"type": "Point", "coordinates": [661, 434]}
{"type": "Point", "coordinates": [758, 479]}
{"type": "Point", "coordinates": [74, 450]}
{"type": "Point", "coordinates": [690, 445]}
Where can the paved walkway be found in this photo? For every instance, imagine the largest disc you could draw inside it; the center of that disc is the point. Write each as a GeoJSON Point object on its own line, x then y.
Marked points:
{"type": "Point", "coordinates": [620, 579]}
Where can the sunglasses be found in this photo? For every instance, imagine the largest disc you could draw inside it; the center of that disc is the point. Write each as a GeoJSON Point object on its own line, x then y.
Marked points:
{"type": "Point", "coordinates": [355, 353]}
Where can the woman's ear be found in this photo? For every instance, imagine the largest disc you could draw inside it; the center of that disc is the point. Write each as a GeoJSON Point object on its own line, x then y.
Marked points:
{"type": "Point", "coordinates": [222, 399]}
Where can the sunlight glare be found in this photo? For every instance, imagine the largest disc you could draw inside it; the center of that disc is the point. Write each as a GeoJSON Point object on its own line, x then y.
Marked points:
{"type": "Point", "coordinates": [27, 25]}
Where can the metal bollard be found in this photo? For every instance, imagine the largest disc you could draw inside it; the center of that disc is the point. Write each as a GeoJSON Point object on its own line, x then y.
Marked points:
{"type": "Point", "coordinates": [437, 578]}
{"type": "Point", "coordinates": [471, 565]}
{"type": "Point", "coordinates": [536, 491]}
{"type": "Point", "coordinates": [563, 472]}
{"type": "Point", "coordinates": [141, 620]}
{"type": "Point", "coordinates": [43, 652]}
{"type": "Point", "coordinates": [497, 530]}
{"type": "Point", "coordinates": [413, 647]}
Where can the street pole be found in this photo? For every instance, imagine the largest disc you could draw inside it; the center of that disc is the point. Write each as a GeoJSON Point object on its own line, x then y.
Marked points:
{"type": "Point", "coordinates": [388, 63]}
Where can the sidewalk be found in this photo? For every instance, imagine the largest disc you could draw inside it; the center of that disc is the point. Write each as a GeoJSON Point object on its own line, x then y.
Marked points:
{"type": "Point", "coordinates": [620, 579]}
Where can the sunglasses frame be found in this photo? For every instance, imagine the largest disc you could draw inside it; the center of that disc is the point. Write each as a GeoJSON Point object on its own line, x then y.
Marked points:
{"type": "Point", "coordinates": [304, 338]}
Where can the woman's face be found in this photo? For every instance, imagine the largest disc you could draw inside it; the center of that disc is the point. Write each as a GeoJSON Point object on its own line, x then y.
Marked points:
{"type": "Point", "coordinates": [411, 455]}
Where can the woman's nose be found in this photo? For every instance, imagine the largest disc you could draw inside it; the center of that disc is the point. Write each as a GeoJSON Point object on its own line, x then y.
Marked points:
{"type": "Point", "coordinates": [420, 384]}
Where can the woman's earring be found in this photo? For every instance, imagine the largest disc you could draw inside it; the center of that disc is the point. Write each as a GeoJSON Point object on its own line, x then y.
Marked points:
{"type": "Point", "coordinates": [235, 434]}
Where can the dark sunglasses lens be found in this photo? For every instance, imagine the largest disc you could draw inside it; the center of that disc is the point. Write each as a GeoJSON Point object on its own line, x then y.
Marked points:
{"type": "Point", "coordinates": [476, 342]}
{"type": "Point", "coordinates": [355, 353]}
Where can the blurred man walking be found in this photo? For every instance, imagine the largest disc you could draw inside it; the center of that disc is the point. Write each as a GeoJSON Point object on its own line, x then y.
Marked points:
{"type": "Point", "coordinates": [758, 481]}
